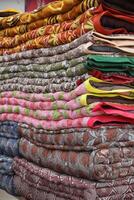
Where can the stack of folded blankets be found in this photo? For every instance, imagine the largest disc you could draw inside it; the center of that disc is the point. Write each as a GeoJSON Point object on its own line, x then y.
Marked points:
{"type": "Point", "coordinates": [9, 148]}
{"type": "Point", "coordinates": [68, 86]}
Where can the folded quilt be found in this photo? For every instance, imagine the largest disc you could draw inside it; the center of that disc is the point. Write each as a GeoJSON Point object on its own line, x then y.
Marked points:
{"type": "Point", "coordinates": [94, 109]}
{"type": "Point", "coordinates": [9, 129]}
{"type": "Point", "coordinates": [109, 22]}
{"type": "Point", "coordinates": [70, 15]}
{"type": "Point", "coordinates": [37, 53]}
{"type": "Point", "coordinates": [120, 43]}
{"type": "Point", "coordinates": [116, 109]}
{"type": "Point", "coordinates": [114, 77]}
{"type": "Point", "coordinates": [110, 63]}
{"type": "Point", "coordinates": [10, 42]}
{"type": "Point", "coordinates": [57, 7]}
{"type": "Point", "coordinates": [79, 139]}
{"type": "Point", "coordinates": [52, 39]}
{"type": "Point", "coordinates": [7, 183]}
{"type": "Point", "coordinates": [100, 164]}
{"type": "Point", "coordinates": [6, 165]}
{"type": "Point", "coordinates": [121, 5]}
{"type": "Point", "coordinates": [9, 147]}
{"type": "Point", "coordinates": [52, 185]}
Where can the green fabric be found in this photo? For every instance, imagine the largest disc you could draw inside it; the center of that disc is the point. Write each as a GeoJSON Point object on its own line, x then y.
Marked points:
{"type": "Point", "coordinates": [110, 63]}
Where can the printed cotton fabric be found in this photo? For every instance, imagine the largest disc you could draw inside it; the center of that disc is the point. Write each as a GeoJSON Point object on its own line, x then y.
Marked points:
{"type": "Point", "coordinates": [6, 165]}
{"type": "Point", "coordinates": [7, 183]}
{"type": "Point", "coordinates": [52, 185]}
{"type": "Point", "coordinates": [98, 165]}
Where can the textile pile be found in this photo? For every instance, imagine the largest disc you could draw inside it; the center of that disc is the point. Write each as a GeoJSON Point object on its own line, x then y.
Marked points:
{"type": "Point", "coordinates": [9, 148]}
{"type": "Point", "coordinates": [68, 84]}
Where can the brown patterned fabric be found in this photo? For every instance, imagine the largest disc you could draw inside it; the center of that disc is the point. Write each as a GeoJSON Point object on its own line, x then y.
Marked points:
{"type": "Point", "coordinates": [102, 164]}
{"type": "Point", "coordinates": [36, 183]}
{"type": "Point", "coordinates": [79, 139]}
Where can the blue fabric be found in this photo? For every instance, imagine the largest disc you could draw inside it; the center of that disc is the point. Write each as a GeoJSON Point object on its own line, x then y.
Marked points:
{"type": "Point", "coordinates": [9, 129]}
{"type": "Point", "coordinates": [6, 165]}
{"type": "Point", "coordinates": [9, 147]}
{"type": "Point", "coordinates": [6, 183]}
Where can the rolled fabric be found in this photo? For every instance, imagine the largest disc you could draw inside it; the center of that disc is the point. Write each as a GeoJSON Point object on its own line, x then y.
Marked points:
{"type": "Point", "coordinates": [6, 165]}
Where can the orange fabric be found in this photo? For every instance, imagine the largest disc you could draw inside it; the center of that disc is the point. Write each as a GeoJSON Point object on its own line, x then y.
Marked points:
{"type": "Point", "coordinates": [53, 8]}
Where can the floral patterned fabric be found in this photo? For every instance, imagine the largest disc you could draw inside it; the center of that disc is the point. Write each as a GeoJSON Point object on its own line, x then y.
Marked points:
{"type": "Point", "coordinates": [69, 16]}
{"type": "Point", "coordinates": [53, 8]}
{"type": "Point", "coordinates": [45, 52]}
{"type": "Point", "coordinates": [52, 39]}
{"type": "Point", "coordinates": [99, 164]}
{"type": "Point", "coordinates": [9, 42]}
{"type": "Point", "coordinates": [79, 139]}
{"type": "Point", "coordinates": [52, 185]}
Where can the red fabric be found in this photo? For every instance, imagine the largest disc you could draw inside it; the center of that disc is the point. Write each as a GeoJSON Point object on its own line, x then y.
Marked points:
{"type": "Point", "coordinates": [114, 78]}
{"type": "Point", "coordinates": [95, 122]}
{"type": "Point", "coordinates": [100, 12]}
{"type": "Point", "coordinates": [34, 4]}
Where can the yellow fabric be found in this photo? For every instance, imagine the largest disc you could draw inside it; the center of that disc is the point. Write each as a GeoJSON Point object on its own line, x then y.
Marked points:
{"type": "Point", "coordinates": [53, 8]}
{"type": "Point", "coordinates": [92, 89]}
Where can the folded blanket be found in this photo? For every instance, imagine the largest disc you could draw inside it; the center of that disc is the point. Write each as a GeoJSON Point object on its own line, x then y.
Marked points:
{"type": "Point", "coordinates": [109, 22]}
{"type": "Point", "coordinates": [120, 43]}
{"type": "Point", "coordinates": [79, 139]}
{"type": "Point", "coordinates": [9, 147]}
{"type": "Point", "coordinates": [7, 183]}
{"type": "Point", "coordinates": [6, 165]}
{"type": "Point", "coordinates": [101, 164]}
{"type": "Point", "coordinates": [52, 39]}
{"type": "Point", "coordinates": [9, 129]}
{"type": "Point", "coordinates": [9, 42]}
{"type": "Point", "coordinates": [45, 52]}
{"type": "Point", "coordinates": [70, 15]}
{"type": "Point", "coordinates": [114, 77]}
{"type": "Point", "coordinates": [53, 8]}
{"type": "Point", "coordinates": [110, 63]}
{"type": "Point", "coordinates": [43, 183]}
{"type": "Point", "coordinates": [121, 5]}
